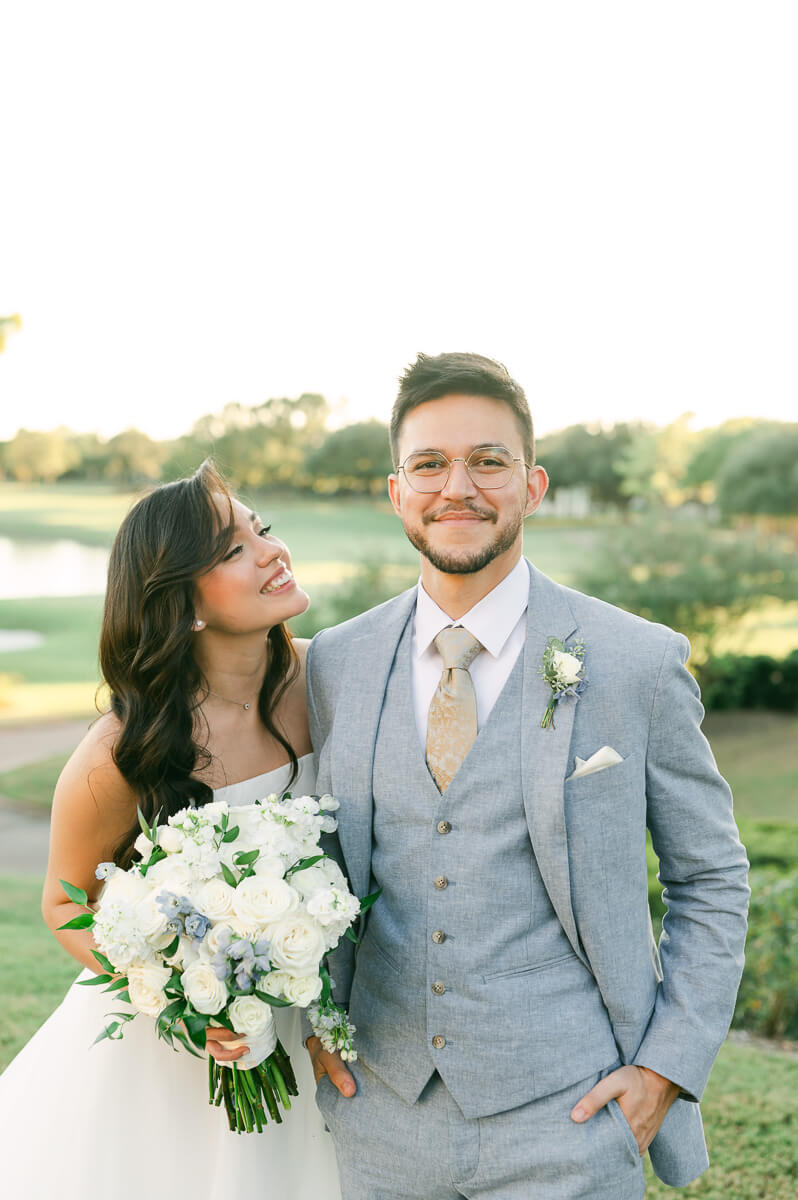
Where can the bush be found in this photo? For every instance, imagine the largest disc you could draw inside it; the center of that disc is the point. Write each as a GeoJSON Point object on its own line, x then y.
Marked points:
{"type": "Point", "coordinates": [768, 999]}
{"type": "Point", "coordinates": [730, 682]}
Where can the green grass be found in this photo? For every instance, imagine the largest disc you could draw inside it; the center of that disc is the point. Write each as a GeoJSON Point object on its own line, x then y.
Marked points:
{"type": "Point", "coordinates": [750, 1114]}
{"type": "Point", "coordinates": [758, 753]}
{"type": "Point", "coordinates": [71, 629]}
{"type": "Point", "coordinates": [34, 971]}
{"type": "Point", "coordinates": [32, 786]}
{"type": "Point", "coordinates": [85, 514]}
{"type": "Point", "coordinates": [750, 1108]}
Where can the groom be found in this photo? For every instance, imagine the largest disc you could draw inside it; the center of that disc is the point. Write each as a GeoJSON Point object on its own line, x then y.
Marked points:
{"type": "Point", "coordinates": [519, 1033]}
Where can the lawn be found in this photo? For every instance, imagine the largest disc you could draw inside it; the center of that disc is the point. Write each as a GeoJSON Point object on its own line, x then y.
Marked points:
{"type": "Point", "coordinates": [750, 1108]}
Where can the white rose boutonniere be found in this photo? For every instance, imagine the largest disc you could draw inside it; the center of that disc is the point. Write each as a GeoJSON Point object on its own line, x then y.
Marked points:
{"type": "Point", "coordinates": [564, 672]}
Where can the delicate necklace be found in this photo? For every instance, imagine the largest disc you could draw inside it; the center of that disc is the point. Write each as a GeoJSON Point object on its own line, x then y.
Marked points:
{"type": "Point", "coordinates": [227, 699]}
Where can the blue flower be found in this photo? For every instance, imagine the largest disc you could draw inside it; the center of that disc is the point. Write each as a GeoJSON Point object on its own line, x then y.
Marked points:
{"type": "Point", "coordinates": [197, 925]}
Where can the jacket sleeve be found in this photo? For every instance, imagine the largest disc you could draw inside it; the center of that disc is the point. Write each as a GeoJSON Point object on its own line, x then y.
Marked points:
{"type": "Point", "coordinates": [703, 870]}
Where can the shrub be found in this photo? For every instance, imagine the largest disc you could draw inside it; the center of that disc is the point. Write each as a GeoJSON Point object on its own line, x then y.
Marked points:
{"type": "Point", "coordinates": [731, 682]}
{"type": "Point", "coordinates": [768, 999]}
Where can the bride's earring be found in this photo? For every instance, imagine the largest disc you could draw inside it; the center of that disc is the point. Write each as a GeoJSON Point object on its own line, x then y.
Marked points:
{"type": "Point", "coordinates": [198, 624]}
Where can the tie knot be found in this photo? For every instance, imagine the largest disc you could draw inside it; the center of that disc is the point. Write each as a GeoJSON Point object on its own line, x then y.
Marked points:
{"type": "Point", "coordinates": [457, 647]}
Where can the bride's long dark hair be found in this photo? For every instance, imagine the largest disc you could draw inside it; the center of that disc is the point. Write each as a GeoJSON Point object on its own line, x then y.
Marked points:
{"type": "Point", "coordinates": [168, 539]}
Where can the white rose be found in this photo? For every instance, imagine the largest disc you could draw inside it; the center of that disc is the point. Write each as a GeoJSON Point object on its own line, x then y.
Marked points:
{"type": "Point", "coordinates": [567, 666]}
{"type": "Point", "coordinates": [145, 985]}
{"type": "Point", "coordinates": [333, 906]}
{"type": "Point", "coordinates": [143, 845]}
{"type": "Point", "coordinates": [264, 899]}
{"type": "Point", "coordinates": [207, 993]}
{"type": "Point", "coordinates": [269, 864]}
{"type": "Point", "coordinates": [323, 875]}
{"type": "Point", "coordinates": [302, 990]}
{"type": "Point", "coordinates": [274, 983]}
{"type": "Point", "coordinates": [124, 886]}
{"type": "Point", "coordinates": [185, 954]}
{"type": "Point", "coordinates": [169, 839]}
{"type": "Point", "coordinates": [215, 899]}
{"type": "Point", "coordinates": [172, 874]}
{"type": "Point", "coordinates": [216, 810]}
{"type": "Point", "coordinates": [250, 1016]}
{"type": "Point", "coordinates": [213, 938]}
{"type": "Point", "coordinates": [297, 945]}
{"type": "Point", "coordinates": [149, 918]}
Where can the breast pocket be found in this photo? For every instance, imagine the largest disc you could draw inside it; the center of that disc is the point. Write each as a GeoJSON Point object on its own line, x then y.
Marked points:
{"type": "Point", "coordinates": [607, 783]}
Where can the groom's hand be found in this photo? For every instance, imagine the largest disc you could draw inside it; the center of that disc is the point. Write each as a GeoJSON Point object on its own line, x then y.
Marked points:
{"type": "Point", "coordinates": [643, 1095]}
{"type": "Point", "coordinates": [325, 1063]}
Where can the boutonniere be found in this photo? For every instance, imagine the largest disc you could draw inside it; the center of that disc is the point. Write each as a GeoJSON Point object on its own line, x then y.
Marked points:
{"type": "Point", "coordinates": [564, 672]}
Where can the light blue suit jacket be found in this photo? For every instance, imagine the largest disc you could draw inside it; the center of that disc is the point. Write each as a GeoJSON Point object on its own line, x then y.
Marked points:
{"type": "Point", "coordinates": [670, 1009]}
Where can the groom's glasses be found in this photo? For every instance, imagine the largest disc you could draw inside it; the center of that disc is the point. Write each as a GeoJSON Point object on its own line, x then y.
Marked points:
{"type": "Point", "coordinates": [488, 467]}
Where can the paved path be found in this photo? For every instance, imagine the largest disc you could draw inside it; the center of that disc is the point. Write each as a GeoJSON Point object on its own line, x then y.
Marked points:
{"type": "Point", "coordinates": [24, 836]}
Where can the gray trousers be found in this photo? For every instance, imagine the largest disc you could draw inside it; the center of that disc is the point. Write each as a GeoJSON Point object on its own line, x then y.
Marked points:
{"type": "Point", "coordinates": [389, 1150]}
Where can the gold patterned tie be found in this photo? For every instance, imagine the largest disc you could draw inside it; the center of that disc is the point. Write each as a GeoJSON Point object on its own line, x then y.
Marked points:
{"type": "Point", "coordinates": [452, 720]}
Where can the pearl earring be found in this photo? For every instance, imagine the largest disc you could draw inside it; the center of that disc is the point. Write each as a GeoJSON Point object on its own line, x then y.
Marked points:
{"type": "Point", "coordinates": [198, 624]}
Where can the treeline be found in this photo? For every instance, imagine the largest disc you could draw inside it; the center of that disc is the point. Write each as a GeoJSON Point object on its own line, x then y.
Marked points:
{"type": "Point", "coordinates": [743, 466]}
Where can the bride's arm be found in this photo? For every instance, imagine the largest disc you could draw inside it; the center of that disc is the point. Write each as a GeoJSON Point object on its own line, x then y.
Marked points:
{"type": "Point", "coordinates": [93, 807]}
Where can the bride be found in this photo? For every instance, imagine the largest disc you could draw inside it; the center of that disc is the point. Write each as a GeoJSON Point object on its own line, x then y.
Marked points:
{"type": "Point", "coordinates": [207, 701]}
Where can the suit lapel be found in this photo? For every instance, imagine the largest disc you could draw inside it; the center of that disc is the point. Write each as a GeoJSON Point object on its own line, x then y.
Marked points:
{"type": "Point", "coordinates": [354, 734]}
{"type": "Point", "coordinates": [545, 752]}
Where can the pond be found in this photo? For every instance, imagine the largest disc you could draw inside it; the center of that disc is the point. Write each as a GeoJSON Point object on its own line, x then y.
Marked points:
{"type": "Point", "coordinates": [57, 568]}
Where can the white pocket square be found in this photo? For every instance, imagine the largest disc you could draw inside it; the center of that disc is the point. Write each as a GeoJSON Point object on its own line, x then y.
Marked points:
{"type": "Point", "coordinates": [605, 757]}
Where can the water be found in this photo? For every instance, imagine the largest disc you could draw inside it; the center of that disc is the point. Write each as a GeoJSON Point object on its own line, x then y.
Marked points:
{"type": "Point", "coordinates": [57, 568]}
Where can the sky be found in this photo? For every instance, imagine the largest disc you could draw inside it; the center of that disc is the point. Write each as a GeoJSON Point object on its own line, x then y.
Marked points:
{"type": "Point", "coordinates": [204, 204]}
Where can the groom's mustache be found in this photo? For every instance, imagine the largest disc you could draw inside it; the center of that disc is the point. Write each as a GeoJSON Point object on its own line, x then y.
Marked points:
{"type": "Point", "coordinates": [485, 514]}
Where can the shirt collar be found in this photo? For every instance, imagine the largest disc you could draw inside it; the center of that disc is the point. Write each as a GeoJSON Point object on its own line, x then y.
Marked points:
{"type": "Point", "coordinates": [491, 620]}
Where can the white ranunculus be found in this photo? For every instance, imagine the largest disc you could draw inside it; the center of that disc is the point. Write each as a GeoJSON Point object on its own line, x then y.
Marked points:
{"type": "Point", "coordinates": [150, 919]}
{"type": "Point", "coordinates": [264, 899]}
{"type": "Point", "coordinates": [207, 993]}
{"type": "Point", "coordinates": [297, 945]}
{"type": "Point", "coordinates": [250, 1016]}
{"type": "Point", "coordinates": [213, 938]}
{"type": "Point", "coordinates": [170, 840]}
{"type": "Point", "coordinates": [145, 985]}
{"type": "Point", "coordinates": [567, 666]}
{"type": "Point", "coordinates": [302, 990]}
{"type": "Point", "coordinates": [215, 899]}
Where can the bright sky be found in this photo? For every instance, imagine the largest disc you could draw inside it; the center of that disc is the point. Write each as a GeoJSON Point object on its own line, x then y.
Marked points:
{"type": "Point", "coordinates": [204, 203]}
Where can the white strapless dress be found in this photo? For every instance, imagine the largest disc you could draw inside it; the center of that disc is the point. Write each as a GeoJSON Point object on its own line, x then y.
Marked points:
{"type": "Point", "coordinates": [131, 1119]}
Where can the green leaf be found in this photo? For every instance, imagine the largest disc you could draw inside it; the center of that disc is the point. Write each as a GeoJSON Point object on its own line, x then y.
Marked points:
{"type": "Point", "coordinates": [181, 1037]}
{"type": "Point", "coordinates": [196, 1025]}
{"type": "Point", "coordinates": [326, 986]}
{"type": "Point", "coordinates": [108, 1032]}
{"type": "Point", "coordinates": [123, 996]}
{"type": "Point", "coordinates": [245, 858]}
{"type": "Point", "coordinates": [231, 834]}
{"type": "Point", "coordinates": [172, 947]}
{"type": "Point", "coordinates": [367, 901]}
{"type": "Point", "coordinates": [145, 829]}
{"type": "Point", "coordinates": [104, 962]}
{"type": "Point", "coordinates": [304, 863]}
{"type": "Point", "coordinates": [94, 981]}
{"type": "Point", "coordinates": [84, 921]}
{"type": "Point", "coordinates": [229, 877]}
{"type": "Point", "coordinates": [76, 894]}
{"type": "Point", "coordinates": [352, 938]}
{"type": "Point", "coordinates": [275, 1001]}
{"type": "Point", "coordinates": [173, 1012]}
{"type": "Point", "coordinates": [117, 984]}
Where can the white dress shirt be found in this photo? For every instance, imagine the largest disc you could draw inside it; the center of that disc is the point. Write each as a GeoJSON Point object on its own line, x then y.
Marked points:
{"type": "Point", "coordinates": [498, 621]}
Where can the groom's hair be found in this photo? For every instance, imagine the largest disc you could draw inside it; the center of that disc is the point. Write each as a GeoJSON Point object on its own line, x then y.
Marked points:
{"type": "Point", "coordinates": [433, 376]}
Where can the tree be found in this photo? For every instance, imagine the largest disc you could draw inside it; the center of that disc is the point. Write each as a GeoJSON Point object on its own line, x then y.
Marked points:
{"type": "Point", "coordinates": [356, 458]}
{"type": "Point", "coordinates": [689, 575]}
{"type": "Point", "coordinates": [582, 457]}
{"type": "Point", "coordinates": [654, 464]}
{"type": "Point", "coordinates": [8, 325]}
{"type": "Point", "coordinates": [760, 474]}
{"type": "Point", "coordinates": [36, 455]}
{"type": "Point", "coordinates": [133, 457]}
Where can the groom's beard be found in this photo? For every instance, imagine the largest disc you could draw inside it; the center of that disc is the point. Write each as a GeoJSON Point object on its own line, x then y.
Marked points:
{"type": "Point", "coordinates": [462, 560]}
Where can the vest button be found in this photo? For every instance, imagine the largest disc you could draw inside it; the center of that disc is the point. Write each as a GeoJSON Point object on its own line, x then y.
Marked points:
{"type": "Point", "coordinates": [439, 1041]}
{"type": "Point", "coordinates": [444, 827]}
{"type": "Point", "coordinates": [441, 882]}
{"type": "Point", "coordinates": [438, 988]}
{"type": "Point", "coordinates": [438, 936]}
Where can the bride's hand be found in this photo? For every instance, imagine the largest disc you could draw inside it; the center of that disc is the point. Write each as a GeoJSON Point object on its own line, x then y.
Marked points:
{"type": "Point", "coordinates": [325, 1063]}
{"type": "Point", "coordinates": [215, 1038]}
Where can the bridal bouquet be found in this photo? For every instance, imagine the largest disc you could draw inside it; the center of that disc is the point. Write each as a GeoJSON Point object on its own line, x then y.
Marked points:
{"type": "Point", "coordinates": [228, 914]}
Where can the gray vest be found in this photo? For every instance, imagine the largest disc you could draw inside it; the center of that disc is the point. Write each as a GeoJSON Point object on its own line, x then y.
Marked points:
{"type": "Point", "coordinates": [464, 929]}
